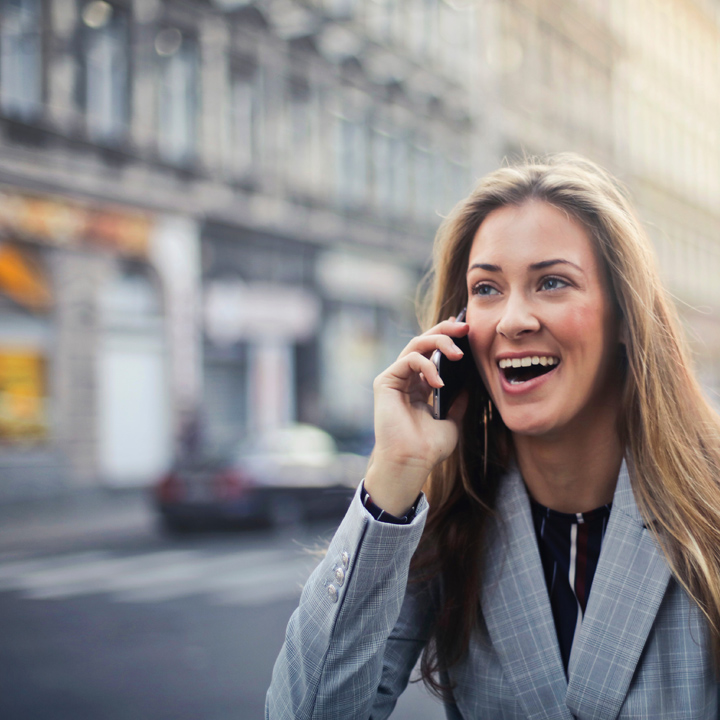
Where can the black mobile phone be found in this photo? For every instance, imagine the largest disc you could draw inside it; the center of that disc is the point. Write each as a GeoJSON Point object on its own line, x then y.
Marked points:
{"type": "Point", "coordinates": [454, 374]}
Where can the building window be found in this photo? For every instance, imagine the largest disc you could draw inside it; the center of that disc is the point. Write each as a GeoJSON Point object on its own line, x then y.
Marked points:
{"type": "Point", "coordinates": [21, 57]}
{"type": "Point", "coordinates": [400, 174]}
{"type": "Point", "coordinates": [382, 170]}
{"type": "Point", "coordinates": [422, 26]}
{"type": "Point", "coordinates": [341, 8]}
{"type": "Point", "coordinates": [423, 183]}
{"type": "Point", "coordinates": [379, 19]}
{"type": "Point", "coordinates": [105, 65]}
{"type": "Point", "coordinates": [458, 181]}
{"type": "Point", "coordinates": [390, 172]}
{"type": "Point", "coordinates": [351, 161]}
{"type": "Point", "coordinates": [178, 92]}
{"type": "Point", "coordinates": [301, 135]}
{"type": "Point", "coordinates": [244, 109]}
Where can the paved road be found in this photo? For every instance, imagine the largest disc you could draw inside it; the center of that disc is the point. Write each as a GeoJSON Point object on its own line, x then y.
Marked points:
{"type": "Point", "coordinates": [120, 626]}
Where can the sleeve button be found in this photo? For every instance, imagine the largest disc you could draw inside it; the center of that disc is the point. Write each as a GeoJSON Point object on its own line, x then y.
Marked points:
{"type": "Point", "coordinates": [332, 593]}
{"type": "Point", "coordinates": [345, 560]}
{"type": "Point", "coordinates": [339, 576]}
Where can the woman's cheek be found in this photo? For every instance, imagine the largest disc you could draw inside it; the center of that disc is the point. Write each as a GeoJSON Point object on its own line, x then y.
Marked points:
{"type": "Point", "coordinates": [574, 321]}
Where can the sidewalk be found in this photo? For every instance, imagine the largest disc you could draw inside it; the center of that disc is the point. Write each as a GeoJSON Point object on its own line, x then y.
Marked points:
{"type": "Point", "coordinates": [87, 515]}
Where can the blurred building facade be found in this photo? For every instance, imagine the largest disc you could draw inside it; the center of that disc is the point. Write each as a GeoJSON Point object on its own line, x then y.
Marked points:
{"type": "Point", "coordinates": [213, 216]}
{"type": "Point", "coordinates": [635, 86]}
{"type": "Point", "coordinates": [214, 213]}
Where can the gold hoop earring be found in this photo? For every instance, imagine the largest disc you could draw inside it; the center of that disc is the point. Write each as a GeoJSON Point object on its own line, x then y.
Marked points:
{"type": "Point", "coordinates": [487, 417]}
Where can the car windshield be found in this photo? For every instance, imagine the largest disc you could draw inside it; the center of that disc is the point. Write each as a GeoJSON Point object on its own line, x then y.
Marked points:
{"type": "Point", "coordinates": [209, 454]}
{"type": "Point", "coordinates": [291, 441]}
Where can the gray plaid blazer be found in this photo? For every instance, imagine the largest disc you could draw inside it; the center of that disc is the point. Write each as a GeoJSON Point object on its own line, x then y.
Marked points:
{"type": "Point", "coordinates": [643, 649]}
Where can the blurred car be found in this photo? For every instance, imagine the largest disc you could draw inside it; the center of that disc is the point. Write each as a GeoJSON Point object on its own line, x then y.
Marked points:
{"type": "Point", "coordinates": [283, 476]}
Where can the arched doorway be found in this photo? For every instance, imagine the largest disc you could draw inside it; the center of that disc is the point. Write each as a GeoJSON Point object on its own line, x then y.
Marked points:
{"type": "Point", "coordinates": [134, 426]}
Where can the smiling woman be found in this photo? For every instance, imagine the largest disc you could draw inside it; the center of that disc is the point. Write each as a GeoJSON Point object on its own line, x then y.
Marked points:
{"type": "Point", "coordinates": [552, 548]}
{"type": "Point", "coordinates": [536, 289]}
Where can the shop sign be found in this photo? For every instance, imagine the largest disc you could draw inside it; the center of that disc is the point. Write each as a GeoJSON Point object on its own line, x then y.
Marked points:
{"type": "Point", "coordinates": [257, 312]}
{"type": "Point", "coordinates": [23, 406]}
{"type": "Point", "coordinates": [352, 278]}
{"type": "Point", "coordinates": [64, 223]}
{"type": "Point", "coordinates": [22, 281]}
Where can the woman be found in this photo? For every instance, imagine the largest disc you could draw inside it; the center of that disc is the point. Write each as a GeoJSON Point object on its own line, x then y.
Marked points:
{"type": "Point", "coordinates": [565, 551]}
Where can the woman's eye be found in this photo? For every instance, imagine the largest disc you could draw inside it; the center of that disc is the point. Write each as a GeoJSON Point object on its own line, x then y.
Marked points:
{"type": "Point", "coordinates": [483, 289]}
{"type": "Point", "coordinates": [552, 283]}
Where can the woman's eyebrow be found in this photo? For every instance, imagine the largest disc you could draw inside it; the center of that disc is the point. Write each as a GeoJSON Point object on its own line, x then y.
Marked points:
{"type": "Point", "coordinates": [485, 266]}
{"type": "Point", "coordinates": [535, 266]}
{"type": "Point", "coordinates": [556, 261]}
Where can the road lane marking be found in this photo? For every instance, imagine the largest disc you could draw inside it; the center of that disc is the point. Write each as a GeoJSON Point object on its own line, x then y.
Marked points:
{"type": "Point", "coordinates": [88, 577]}
{"type": "Point", "coordinates": [11, 571]}
{"type": "Point", "coordinates": [227, 578]}
{"type": "Point", "coordinates": [279, 573]}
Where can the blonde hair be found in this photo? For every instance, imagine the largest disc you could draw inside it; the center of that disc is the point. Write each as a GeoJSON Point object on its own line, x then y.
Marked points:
{"type": "Point", "coordinates": [671, 432]}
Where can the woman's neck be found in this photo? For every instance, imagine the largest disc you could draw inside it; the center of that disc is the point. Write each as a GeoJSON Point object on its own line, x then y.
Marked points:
{"type": "Point", "coordinates": [573, 473]}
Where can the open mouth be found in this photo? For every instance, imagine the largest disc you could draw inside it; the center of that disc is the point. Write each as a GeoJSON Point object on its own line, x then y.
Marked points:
{"type": "Point", "coordinates": [520, 370]}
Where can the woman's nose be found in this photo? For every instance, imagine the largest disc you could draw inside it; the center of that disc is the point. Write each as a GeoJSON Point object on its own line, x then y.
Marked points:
{"type": "Point", "coordinates": [517, 319]}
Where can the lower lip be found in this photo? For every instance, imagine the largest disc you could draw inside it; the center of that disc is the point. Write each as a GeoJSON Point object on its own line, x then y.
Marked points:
{"type": "Point", "coordinates": [525, 387]}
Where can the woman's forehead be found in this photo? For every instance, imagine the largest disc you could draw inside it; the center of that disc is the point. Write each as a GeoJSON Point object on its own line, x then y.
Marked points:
{"type": "Point", "coordinates": [532, 232]}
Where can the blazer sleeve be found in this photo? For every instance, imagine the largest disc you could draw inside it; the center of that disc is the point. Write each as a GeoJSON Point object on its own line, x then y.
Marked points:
{"type": "Point", "coordinates": [346, 654]}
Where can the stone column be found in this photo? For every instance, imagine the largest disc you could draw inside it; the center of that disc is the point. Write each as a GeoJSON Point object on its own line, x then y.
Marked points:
{"type": "Point", "coordinates": [77, 277]}
{"type": "Point", "coordinates": [175, 252]}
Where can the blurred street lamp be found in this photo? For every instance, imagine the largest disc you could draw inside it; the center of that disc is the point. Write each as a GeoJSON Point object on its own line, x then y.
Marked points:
{"type": "Point", "coordinates": [97, 14]}
{"type": "Point", "coordinates": [168, 42]}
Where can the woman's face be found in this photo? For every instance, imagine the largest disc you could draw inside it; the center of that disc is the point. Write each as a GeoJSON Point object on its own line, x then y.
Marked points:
{"type": "Point", "coordinates": [538, 299]}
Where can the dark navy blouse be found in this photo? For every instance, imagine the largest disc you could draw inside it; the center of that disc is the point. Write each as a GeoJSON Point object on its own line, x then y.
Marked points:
{"type": "Point", "coordinates": [569, 545]}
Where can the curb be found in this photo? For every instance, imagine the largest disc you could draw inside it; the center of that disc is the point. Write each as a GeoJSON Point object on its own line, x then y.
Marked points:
{"type": "Point", "coordinates": [28, 525]}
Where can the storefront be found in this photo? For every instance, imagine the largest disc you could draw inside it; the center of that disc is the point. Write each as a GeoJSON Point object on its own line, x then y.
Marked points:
{"type": "Point", "coordinates": [133, 391]}
{"type": "Point", "coordinates": [25, 344]}
{"type": "Point", "coordinates": [369, 318]}
{"type": "Point", "coordinates": [83, 363]}
{"type": "Point", "coordinates": [296, 333]}
{"type": "Point", "coordinates": [260, 314]}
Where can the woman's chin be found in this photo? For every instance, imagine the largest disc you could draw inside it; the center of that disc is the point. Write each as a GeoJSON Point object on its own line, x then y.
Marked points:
{"type": "Point", "coordinates": [530, 426]}
{"type": "Point", "coordinates": [534, 432]}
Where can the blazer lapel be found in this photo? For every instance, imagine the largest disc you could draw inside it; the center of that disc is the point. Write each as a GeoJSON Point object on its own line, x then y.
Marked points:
{"type": "Point", "coordinates": [630, 582]}
{"type": "Point", "coordinates": [517, 611]}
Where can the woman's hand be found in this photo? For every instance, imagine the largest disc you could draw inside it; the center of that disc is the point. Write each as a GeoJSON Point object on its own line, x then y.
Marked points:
{"type": "Point", "coordinates": [409, 442]}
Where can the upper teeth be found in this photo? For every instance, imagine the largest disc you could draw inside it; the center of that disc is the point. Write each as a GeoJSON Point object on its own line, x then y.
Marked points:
{"type": "Point", "coordinates": [527, 361]}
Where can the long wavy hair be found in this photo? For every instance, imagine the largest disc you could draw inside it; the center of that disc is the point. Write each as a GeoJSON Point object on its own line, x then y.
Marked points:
{"type": "Point", "coordinates": [670, 431]}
